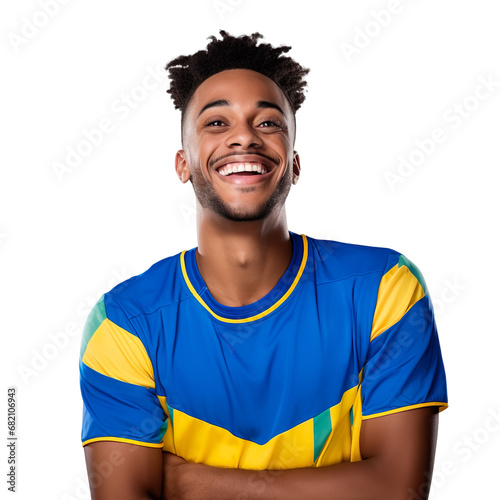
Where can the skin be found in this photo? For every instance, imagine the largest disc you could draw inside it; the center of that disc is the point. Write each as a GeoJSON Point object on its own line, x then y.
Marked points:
{"type": "Point", "coordinates": [243, 250]}
{"type": "Point", "coordinates": [243, 242]}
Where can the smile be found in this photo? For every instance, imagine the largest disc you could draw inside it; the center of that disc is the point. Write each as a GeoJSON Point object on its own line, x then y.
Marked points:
{"type": "Point", "coordinates": [250, 168]}
{"type": "Point", "coordinates": [242, 176]}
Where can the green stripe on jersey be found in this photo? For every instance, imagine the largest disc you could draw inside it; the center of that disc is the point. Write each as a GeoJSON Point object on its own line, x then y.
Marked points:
{"type": "Point", "coordinates": [96, 316]}
{"type": "Point", "coordinates": [403, 261]}
{"type": "Point", "coordinates": [322, 424]}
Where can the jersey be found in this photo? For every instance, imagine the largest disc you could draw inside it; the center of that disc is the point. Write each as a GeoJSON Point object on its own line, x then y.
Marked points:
{"type": "Point", "coordinates": [347, 334]}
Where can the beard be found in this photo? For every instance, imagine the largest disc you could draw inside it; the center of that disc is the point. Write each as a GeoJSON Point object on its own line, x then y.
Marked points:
{"type": "Point", "coordinates": [209, 199]}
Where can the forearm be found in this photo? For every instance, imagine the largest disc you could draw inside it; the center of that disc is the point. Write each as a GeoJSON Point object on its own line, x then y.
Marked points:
{"type": "Point", "coordinates": [367, 479]}
{"type": "Point", "coordinates": [399, 456]}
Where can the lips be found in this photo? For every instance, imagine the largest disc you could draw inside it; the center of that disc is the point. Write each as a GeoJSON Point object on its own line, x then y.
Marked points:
{"type": "Point", "coordinates": [238, 163]}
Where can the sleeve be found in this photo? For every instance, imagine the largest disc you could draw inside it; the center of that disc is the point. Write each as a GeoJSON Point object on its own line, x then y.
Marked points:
{"type": "Point", "coordinates": [404, 367]}
{"type": "Point", "coordinates": [117, 382]}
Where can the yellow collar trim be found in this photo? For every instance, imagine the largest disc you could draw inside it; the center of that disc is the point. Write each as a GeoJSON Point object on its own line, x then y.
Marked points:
{"type": "Point", "coordinates": [263, 313]}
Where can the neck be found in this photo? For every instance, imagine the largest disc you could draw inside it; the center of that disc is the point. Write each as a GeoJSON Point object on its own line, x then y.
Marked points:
{"type": "Point", "coordinates": [241, 262]}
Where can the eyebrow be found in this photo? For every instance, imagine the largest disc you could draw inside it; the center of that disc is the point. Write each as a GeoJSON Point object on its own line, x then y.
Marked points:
{"type": "Point", "coordinates": [224, 102]}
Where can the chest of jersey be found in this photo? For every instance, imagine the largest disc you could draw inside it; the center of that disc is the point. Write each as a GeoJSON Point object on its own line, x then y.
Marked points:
{"type": "Point", "coordinates": [261, 390]}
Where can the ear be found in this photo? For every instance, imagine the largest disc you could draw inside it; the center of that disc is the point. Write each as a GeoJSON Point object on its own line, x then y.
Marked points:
{"type": "Point", "coordinates": [181, 166]}
{"type": "Point", "coordinates": [296, 167]}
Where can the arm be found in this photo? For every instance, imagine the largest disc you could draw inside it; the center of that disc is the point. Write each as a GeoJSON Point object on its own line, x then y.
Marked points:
{"type": "Point", "coordinates": [398, 457]}
{"type": "Point", "coordinates": [123, 421]}
{"type": "Point", "coordinates": [124, 471]}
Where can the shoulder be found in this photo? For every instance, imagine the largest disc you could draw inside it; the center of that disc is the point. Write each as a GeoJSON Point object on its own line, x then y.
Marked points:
{"type": "Point", "coordinates": [336, 260]}
{"type": "Point", "coordinates": [116, 310]}
{"type": "Point", "coordinates": [145, 293]}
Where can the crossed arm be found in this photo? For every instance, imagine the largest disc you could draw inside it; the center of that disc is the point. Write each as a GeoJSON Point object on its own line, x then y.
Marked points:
{"type": "Point", "coordinates": [397, 450]}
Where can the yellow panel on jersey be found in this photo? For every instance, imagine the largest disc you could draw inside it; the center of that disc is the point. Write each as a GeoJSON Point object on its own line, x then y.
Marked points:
{"type": "Point", "coordinates": [356, 419]}
{"type": "Point", "coordinates": [399, 290]}
{"type": "Point", "coordinates": [168, 438]}
{"type": "Point", "coordinates": [200, 442]}
{"type": "Point", "coordinates": [116, 353]}
{"type": "Point", "coordinates": [337, 449]}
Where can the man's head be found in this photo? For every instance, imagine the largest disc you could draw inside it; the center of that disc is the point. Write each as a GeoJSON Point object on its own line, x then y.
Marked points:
{"type": "Point", "coordinates": [238, 102]}
{"type": "Point", "coordinates": [187, 73]}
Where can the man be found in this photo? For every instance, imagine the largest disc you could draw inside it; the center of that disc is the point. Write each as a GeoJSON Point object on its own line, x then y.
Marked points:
{"type": "Point", "coordinates": [263, 363]}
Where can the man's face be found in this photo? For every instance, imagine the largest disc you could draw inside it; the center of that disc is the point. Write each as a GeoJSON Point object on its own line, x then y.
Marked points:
{"type": "Point", "coordinates": [239, 119]}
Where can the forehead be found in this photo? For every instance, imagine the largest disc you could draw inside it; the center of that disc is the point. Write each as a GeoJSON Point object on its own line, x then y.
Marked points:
{"type": "Point", "coordinates": [238, 86]}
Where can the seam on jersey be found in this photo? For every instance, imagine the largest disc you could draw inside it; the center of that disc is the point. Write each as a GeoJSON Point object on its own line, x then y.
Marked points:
{"type": "Point", "coordinates": [288, 429]}
{"type": "Point", "coordinates": [123, 440]}
{"type": "Point", "coordinates": [441, 404]}
{"type": "Point", "coordinates": [143, 342]}
{"type": "Point", "coordinates": [389, 253]}
{"type": "Point", "coordinates": [347, 277]}
{"type": "Point", "coordinates": [394, 324]}
{"type": "Point", "coordinates": [118, 380]}
{"type": "Point", "coordinates": [189, 296]}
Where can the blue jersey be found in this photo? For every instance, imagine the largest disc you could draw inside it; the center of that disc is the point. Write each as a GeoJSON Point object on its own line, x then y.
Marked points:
{"type": "Point", "coordinates": [347, 334]}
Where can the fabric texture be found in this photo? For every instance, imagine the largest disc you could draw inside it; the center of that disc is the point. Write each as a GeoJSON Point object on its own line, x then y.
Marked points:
{"type": "Point", "coordinates": [347, 334]}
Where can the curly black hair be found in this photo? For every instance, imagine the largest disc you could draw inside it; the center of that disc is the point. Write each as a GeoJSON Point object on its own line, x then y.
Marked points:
{"type": "Point", "coordinates": [188, 72]}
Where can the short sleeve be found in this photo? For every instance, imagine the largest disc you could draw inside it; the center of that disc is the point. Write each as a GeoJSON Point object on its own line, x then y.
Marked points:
{"type": "Point", "coordinates": [117, 382]}
{"type": "Point", "coordinates": [404, 366]}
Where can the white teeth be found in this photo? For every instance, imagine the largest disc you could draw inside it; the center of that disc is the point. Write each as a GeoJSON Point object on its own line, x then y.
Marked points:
{"type": "Point", "coordinates": [242, 167]}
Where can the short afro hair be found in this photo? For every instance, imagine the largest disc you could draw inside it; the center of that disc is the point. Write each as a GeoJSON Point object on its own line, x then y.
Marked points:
{"type": "Point", "coordinates": [188, 72]}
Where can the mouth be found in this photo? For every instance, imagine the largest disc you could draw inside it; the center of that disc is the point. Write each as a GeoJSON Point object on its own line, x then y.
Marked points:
{"type": "Point", "coordinates": [247, 168]}
{"type": "Point", "coordinates": [242, 165]}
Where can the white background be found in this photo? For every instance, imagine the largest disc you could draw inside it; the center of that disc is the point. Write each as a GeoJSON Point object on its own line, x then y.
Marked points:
{"type": "Point", "coordinates": [65, 238]}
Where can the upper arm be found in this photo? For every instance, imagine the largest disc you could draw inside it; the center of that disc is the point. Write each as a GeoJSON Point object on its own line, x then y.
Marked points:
{"type": "Point", "coordinates": [403, 384]}
{"type": "Point", "coordinates": [403, 446]}
{"type": "Point", "coordinates": [123, 419]}
{"type": "Point", "coordinates": [124, 471]}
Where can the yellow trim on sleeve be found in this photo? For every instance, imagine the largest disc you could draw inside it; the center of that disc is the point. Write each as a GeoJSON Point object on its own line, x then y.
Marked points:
{"type": "Point", "coordinates": [399, 290]}
{"type": "Point", "coordinates": [442, 406]}
{"type": "Point", "coordinates": [122, 440]}
{"type": "Point", "coordinates": [116, 353]}
{"type": "Point", "coordinates": [257, 316]}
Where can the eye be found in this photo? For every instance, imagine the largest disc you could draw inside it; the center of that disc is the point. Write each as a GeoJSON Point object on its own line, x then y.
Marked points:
{"type": "Point", "coordinates": [270, 124]}
{"type": "Point", "coordinates": [214, 123]}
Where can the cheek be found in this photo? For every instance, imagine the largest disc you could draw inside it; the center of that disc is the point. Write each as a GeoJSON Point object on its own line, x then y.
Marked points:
{"type": "Point", "coordinates": [281, 139]}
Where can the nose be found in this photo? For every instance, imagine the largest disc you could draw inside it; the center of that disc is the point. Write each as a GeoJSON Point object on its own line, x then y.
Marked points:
{"type": "Point", "coordinates": [243, 135]}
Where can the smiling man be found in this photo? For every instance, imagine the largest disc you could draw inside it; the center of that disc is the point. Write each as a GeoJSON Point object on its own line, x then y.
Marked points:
{"type": "Point", "coordinates": [262, 363]}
